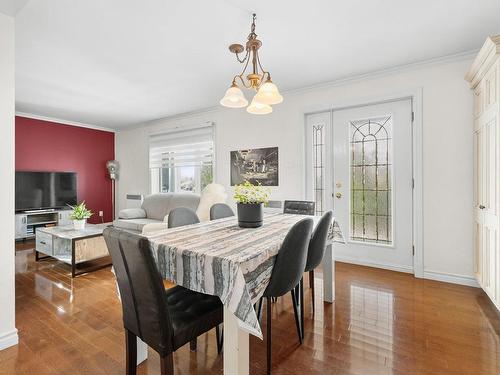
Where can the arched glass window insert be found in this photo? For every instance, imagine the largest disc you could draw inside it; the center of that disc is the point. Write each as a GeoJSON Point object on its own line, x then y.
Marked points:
{"type": "Point", "coordinates": [371, 180]}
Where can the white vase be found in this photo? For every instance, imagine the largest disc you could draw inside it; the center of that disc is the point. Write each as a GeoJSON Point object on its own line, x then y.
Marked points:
{"type": "Point", "coordinates": [79, 224]}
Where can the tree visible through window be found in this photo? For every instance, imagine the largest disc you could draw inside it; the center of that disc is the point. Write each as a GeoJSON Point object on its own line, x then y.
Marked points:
{"type": "Point", "coordinates": [371, 181]}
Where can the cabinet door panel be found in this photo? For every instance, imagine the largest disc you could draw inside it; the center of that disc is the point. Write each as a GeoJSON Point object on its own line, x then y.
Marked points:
{"type": "Point", "coordinates": [489, 167]}
{"type": "Point", "coordinates": [490, 262]}
{"type": "Point", "coordinates": [490, 87]}
{"type": "Point", "coordinates": [478, 100]}
{"type": "Point", "coordinates": [21, 226]}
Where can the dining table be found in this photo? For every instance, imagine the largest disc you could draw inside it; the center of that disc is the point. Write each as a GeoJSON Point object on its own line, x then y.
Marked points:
{"type": "Point", "coordinates": [221, 258]}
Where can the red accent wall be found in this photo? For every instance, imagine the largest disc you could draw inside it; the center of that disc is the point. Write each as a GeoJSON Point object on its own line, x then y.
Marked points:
{"type": "Point", "coordinates": [47, 146]}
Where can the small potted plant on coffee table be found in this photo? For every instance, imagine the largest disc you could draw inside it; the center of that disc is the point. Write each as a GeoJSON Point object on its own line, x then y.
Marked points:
{"type": "Point", "coordinates": [80, 215]}
{"type": "Point", "coordinates": [250, 200]}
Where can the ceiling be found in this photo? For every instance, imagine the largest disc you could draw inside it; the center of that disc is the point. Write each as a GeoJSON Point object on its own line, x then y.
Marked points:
{"type": "Point", "coordinates": [11, 7]}
{"type": "Point", "coordinates": [117, 63]}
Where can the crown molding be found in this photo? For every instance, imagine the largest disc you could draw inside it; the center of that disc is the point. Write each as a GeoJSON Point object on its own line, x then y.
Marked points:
{"type": "Point", "coordinates": [484, 60]}
{"type": "Point", "coordinates": [462, 56]}
{"type": "Point", "coordinates": [59, 121]}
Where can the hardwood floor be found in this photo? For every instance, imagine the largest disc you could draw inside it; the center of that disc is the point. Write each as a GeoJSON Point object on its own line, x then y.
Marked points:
{"type": "Point", "coordinates": [382, 322]}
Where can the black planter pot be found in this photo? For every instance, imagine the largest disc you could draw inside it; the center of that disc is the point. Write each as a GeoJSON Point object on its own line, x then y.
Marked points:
{"type": "Point", "coordinates": [250, 215]}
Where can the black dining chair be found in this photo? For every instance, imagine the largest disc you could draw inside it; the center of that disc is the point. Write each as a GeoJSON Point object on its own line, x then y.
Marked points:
{"type": "Point", "coordinates": [220, 211]}
{"type": "Point", "coordinates": [164, 319]}
{"type": "Point", "coordinates": [315, 253]}
{"type": "Point", "coordinates": [182, 216]}
{"type": "Point", "coordinates": [299, 207]}
{"type": "Point", "coordinates": [286, 274]}
{"type": "Point", "coordinates": [179, 217]}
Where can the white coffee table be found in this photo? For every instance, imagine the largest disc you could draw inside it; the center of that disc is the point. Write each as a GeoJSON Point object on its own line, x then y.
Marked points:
{"type": "Point", "coordinates": [71, 246]}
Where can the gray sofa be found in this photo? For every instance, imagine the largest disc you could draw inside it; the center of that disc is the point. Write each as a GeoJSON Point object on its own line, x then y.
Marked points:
{"type": "Point", "coordinates": [154, 209]}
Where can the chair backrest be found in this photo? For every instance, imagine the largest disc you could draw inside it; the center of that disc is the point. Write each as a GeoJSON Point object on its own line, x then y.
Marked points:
{"type": "Point", "coordinates": [220, 210]}
{"type": "Point", "coordinates": [291, 260]}
{"type": "Point", "coordinates": [144, 302]}
{"type": "Point", "coordinates": [299, 207]}
{"type": "Point", "coordinates": [317, 244]}
{"type": "Point", "coordinates": [182, 216]}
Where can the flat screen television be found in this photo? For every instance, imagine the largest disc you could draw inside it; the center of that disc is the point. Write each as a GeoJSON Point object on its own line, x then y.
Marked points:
{"type": "Point", "coordinates": [45, 190]}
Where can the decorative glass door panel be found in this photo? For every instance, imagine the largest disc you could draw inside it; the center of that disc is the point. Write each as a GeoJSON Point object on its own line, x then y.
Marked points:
{"type": "Point", "coordinates": [371, 182]}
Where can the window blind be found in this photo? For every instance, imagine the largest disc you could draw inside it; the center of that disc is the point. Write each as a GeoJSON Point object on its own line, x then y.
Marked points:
{"type": "Point", "coordinates": [182, 148]}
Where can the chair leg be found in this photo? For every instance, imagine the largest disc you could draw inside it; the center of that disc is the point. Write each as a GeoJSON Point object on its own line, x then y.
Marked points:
{"type": "Point", "coordinates": [311, 283]}
{"type": "Point", "coordinates": [269, 343]}
{"type": "Point", "coordinates": [220, 339]}
{"type": "Point", "coordinates": [295, 312]}
{"type": "Point", "coordinates": [167, 365]}
{"type": "Point", "coordinates": [193, 345]}
{"type": "Point", "coordinates": [259, 309]}
{"type": "Point", "coordinates": [131, 353]}
{"type": "Point", "coordinates": [301, 294]}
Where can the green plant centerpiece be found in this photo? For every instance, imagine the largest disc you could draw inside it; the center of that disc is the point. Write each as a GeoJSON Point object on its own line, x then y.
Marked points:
{"type": "Point", "coordinates": [80, 215]}
{"type": "Point", "coordinates": [250, 200]}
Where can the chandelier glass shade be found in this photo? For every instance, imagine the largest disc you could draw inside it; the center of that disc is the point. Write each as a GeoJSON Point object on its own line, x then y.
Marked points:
{"type": "Point", "coordinates": [268, 94]}
{"type": "Point", "coordinates": [234, 98]}
{"type": "Point", "coordinates": [258, 108]}
{"type": "Point", "coordinates": [257, 79]}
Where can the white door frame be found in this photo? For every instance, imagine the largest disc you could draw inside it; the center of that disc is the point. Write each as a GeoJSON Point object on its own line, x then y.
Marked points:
{"type": "Point", "coordinates": [416, 97]}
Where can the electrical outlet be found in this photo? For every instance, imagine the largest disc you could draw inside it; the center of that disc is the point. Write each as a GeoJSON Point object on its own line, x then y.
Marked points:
{"type": "Point", "coordinates": [101, 213]}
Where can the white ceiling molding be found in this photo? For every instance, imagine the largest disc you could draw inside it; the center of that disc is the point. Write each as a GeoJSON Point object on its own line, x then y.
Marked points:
{"type": "Point", "coordinates": [485, 58]}
{"type": "Point", "coordinates": [121, 63]}
{"type": "Point", "coordinates": [469, 55]}
{"type": "Point", "coordinates": [59, 121]}
{"type": "Point", "coordinates": [12, 7]}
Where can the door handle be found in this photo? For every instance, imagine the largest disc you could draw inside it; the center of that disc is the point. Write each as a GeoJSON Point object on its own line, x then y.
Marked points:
{"type": "Point", "coordinates": [481, 207]}
{"type": "Point", "coordinates": [338, 195]}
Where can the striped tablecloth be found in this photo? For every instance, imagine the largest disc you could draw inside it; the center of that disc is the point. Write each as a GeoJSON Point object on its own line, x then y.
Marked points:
{"type": "Point", "coordinates": [220, 258]}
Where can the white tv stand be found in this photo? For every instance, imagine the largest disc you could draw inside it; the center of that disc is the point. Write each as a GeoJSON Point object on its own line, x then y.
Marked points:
{"type": "Point", "coordinates": [28, 221]}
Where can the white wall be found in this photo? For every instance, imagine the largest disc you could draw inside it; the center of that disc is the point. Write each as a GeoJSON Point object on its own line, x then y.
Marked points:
{"type": "Point", "coordinates": [8, 332]}
{"type": "Point", "coordinates": [447, 150]}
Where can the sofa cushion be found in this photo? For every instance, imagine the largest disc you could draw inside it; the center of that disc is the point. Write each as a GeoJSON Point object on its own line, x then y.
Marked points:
{"type": "Point", "coordinates": [132, 213]}
{"type": "Point", "coordinates": [156, 205]}
{"type": "Point", "coordinates": [188, 200]}
{"type": "Point", "coordinates": [134, 225]}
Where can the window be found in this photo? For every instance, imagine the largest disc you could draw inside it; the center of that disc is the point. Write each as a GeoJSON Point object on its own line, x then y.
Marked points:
{"type": "Point", "coordinates": [181, 160]}
{"type": "Point", "coordinates": [371, 182]}
{"type": "Point", "coordinates": [318, 158]}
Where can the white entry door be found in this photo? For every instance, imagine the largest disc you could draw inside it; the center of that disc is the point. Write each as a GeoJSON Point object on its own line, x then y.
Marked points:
{"type": "Point", "coordinates": [360, 165]}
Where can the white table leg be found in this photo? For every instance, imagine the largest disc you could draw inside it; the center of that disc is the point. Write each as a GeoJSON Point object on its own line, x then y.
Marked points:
{"type": "Point", "coordinates": [328, 275]}
{"type": "Point", "coordinates": [236, 346]}
{"type": "Point", "coordinates": [142, 351]}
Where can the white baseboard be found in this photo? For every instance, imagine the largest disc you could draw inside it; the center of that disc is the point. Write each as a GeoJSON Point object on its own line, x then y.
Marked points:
{"type": "Point", "coordinates": [8, 339]}
{"type": "Point", "coordinates": [385, 266]}
{"type": "Point", "coordinates": [431, 275]}
{"type": "Point", "coordinates": [451, 278]}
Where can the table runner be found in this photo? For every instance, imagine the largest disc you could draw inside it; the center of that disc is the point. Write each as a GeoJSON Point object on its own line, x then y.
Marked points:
{"type": "Point", "coordinates": [220, 258]}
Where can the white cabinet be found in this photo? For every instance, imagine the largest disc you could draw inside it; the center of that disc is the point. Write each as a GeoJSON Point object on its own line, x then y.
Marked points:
{"type": "Point", "coordinates": [484, 80]}
{"type": "Point", "coordinates": [27, 222]}
{"type": "Point", "coordinates": [21, 226]}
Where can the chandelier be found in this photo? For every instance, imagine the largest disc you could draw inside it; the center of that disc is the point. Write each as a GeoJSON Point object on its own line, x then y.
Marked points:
{"type": "Point", "coordinates": [258, 79]}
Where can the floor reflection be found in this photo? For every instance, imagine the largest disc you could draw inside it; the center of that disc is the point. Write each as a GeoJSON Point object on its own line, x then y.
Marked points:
{"type": "Point", "coordinates": [49, 282]}
{"type": "Point", "coordinates": [371, 324]}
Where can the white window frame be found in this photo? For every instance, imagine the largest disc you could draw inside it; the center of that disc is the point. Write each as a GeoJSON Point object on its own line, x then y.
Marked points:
{"type": "Point", "coordinates": [178, 129]}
